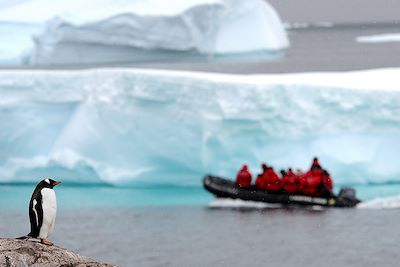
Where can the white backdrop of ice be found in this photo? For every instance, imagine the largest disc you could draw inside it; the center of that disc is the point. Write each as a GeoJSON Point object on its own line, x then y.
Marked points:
{"type": "Point", "coordinates": [74, 32]}
{"type": "Point", "coordinates": [159, 127]}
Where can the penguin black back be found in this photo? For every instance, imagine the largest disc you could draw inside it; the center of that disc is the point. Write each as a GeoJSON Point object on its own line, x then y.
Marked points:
{"type": "Point", "coordinates": [35, 212]}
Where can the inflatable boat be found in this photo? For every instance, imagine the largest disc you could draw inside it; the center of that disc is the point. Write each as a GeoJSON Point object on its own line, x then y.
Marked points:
{"type": "Point", "coordinates": [225, 188]}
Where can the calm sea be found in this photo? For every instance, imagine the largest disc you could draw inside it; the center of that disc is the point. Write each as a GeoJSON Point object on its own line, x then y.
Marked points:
{"type": "Point", "coordinates": [176, 227]}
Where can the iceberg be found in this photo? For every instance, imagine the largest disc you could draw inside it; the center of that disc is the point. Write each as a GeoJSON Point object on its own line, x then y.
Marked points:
{"type": "Point", "coordinates": [16, 42]}
{"type": "Point", "coordinates": [152, 127]}
{"type": "Point", "coordinates": [73, 32]}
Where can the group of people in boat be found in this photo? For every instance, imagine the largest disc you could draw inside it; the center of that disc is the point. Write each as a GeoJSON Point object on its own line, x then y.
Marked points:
{"type": "Point", "coordinates": [315, 182]}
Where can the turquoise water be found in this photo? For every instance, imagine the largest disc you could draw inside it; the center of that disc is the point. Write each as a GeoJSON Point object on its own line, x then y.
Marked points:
{"type": "Point", "coordinates": [369, 192]}
{"type": "Point", "coordinates": [70, 196]}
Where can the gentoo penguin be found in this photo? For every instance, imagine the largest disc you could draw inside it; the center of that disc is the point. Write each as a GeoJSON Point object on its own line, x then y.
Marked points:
{"type": "Point", "coordinates": [42, 210]}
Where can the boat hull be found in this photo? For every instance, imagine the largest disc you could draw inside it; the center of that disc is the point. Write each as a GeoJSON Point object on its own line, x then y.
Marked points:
{"type": "Point", "coordinates": [225, 188]}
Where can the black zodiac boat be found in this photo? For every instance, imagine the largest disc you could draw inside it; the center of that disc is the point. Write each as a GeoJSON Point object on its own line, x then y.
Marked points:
{"type": "Point", "coordinates": [224, 188]}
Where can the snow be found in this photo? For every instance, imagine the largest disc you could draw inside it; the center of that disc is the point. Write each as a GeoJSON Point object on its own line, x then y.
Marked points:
{"type": "Point", "coordinates": [73, 32]}
{"type": "Point", "coordinates": [130, 126]}
{"type": "Point", "coordinates": [379, 38]}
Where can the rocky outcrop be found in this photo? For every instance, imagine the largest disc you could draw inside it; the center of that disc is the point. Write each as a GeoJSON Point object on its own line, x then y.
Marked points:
{"type": "Point", "coordinates": [20, 253]}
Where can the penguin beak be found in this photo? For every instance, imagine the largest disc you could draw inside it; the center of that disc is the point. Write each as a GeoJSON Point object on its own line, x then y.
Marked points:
{"type": "Point", "coordinates": [56, 183]}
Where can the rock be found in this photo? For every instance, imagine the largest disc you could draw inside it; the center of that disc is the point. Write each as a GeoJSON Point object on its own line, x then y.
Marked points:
{"type": "Point", "coordinates": [20, 253]}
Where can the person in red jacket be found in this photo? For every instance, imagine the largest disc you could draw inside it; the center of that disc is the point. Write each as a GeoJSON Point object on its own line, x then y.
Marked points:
{"type": "Point", "coordinates": [327, 185]}
{"type": "Point", "coordinates": [290, 182]}
{"type": "Point", "coordinates": [260, 181]}
{"type": "Point", "coordinates": [272, 181]}
{"type": "Point", "coordinates": [327, 180]}
{"type": "Point", "coordinates": [317, 181]}
{"type": "Point", "coordinates": [243, 177]}
{"type": "Point", "coordinates": [311, 182]}
{"type": "Point", "coordinates": [315, 165]}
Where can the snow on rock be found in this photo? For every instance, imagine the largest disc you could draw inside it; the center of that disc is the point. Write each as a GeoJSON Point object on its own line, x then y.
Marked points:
{"type": "Point", "coordinates": [127, 126]}
{"type": "Point", "coordinates": [74, 32]}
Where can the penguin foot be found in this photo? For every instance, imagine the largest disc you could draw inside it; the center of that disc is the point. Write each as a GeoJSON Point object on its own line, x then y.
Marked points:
{"type": "Point", "coordinates": [46, 242]}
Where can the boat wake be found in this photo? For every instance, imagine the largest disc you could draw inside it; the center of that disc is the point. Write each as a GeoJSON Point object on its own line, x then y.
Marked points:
{"type": "Point", "coordinates": [238, 203]}
{"type": "Point", "coordinates": [392, 202]}
{"type": "Point", "coordinates": [248, 204]}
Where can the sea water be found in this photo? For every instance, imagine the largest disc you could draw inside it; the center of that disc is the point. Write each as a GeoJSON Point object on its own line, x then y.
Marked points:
{"type": "Point", "coordinates": [186, 226]}
{"type": "Point", "coordinates": [16, 197]}
{"type": "Point", "coordinates": [71, 196]}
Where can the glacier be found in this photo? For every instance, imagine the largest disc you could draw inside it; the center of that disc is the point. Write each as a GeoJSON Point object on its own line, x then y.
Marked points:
{"type": "Point", "coordinates": [152, 127]}
{"type": "Point", "coordinates": [73, 32]}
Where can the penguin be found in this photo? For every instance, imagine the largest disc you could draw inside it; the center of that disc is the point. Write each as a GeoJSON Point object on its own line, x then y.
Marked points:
{"type": "Point", "coordinates": [42, 211]}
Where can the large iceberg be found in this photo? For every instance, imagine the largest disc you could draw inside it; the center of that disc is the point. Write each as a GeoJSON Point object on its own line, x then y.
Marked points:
{"type": "Point", "coordinates": [74, 32]}
{"type": "Point", "coordinates": [143, 127]}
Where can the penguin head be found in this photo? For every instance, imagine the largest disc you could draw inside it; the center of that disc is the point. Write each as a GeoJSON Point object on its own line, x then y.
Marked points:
{"type": "Point", "coordinates": [49, 183]}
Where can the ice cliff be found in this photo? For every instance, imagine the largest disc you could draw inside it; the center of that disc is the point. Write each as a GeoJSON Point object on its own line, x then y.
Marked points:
{"type": "Point", "coordinates": [45, 32]}
{"type": "Point", "coordinates": [126, 126]}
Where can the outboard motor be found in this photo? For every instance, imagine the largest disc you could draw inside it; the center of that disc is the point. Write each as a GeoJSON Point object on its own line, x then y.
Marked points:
{"type": "Point", "coordinates": [348, 196]}
{"type": "Point", "coordinates": [347, 192]}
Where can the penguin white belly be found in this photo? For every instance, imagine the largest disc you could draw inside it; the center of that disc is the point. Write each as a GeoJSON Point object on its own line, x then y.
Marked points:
{"type": "Point", "coordinates": [49, 205]}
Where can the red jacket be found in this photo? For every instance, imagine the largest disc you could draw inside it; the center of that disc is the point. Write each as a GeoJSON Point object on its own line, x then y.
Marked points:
{"type": "Point", "coordinates": [315, 165]}
{"type": "Point", "coordinates": [311, 182]}
{"type": "Point", "coordinates": [260, 182]}
{"type": "Point", "coordinates": [272, 181]}
{"type": "Point", "coordinates": [327, 181]}
{"type": "Point", "coordinates": [243, 177]}
{"type": "Point", "coordinates": [290, 182]}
